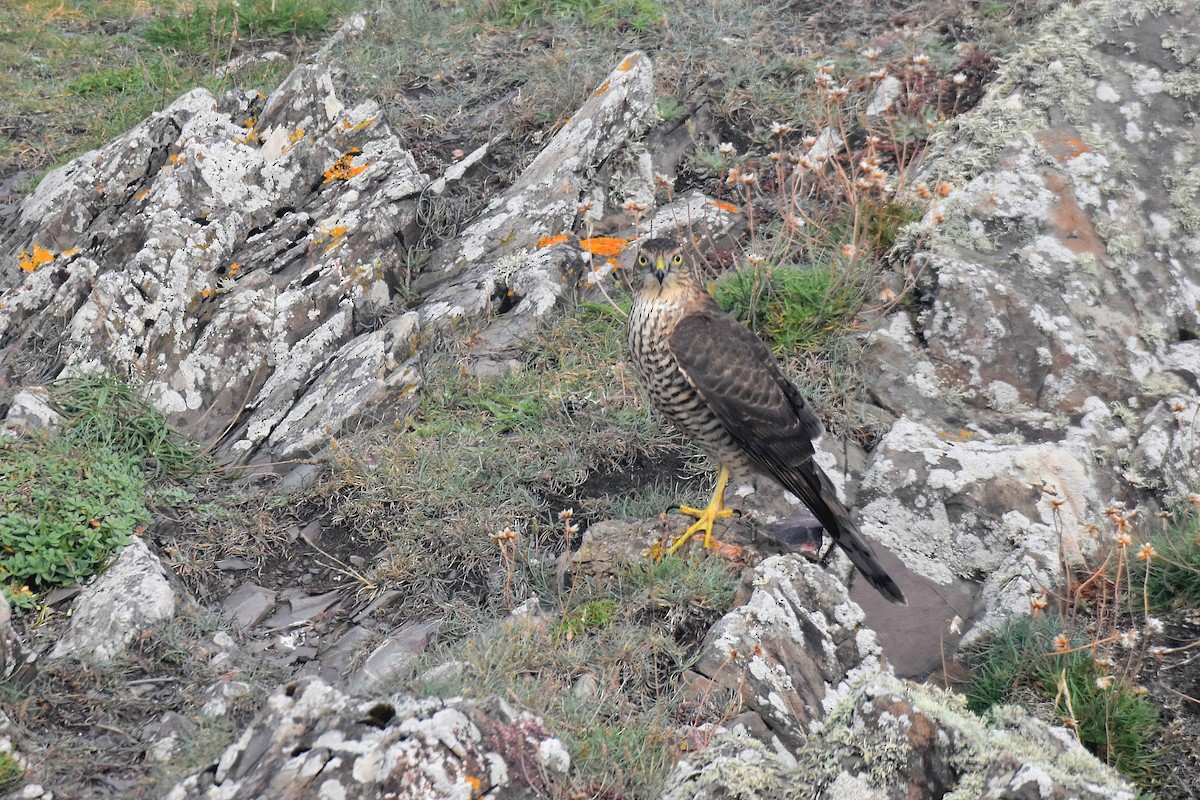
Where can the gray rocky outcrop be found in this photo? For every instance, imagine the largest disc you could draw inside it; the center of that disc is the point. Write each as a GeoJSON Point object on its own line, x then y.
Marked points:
{"type": "Point", "coordinates": [789, 647]}
{"type": "Point", "coordinates": [1049, 367]}
{"type": "Point", "coordinates": [313, 741]}
{"type": "Point", "coordinates": [888, 739]}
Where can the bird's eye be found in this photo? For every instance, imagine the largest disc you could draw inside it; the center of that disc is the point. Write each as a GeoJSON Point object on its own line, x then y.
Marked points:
{"type": "Point", "coordinates": [643, 261]}
{"type": "Point", "coordinates": [677, 259]}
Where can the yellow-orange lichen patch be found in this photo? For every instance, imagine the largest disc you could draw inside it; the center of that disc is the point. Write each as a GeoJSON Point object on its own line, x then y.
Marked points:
{"type": "Point", "coordinates": [344, 169]}
{"type": "Point", "coordinates": [628, 63]}
{"type": "Point", "coordinates": [557, 238]}
{"type": "Point", "coordinates": [37, 257]}
{"type": "Point", "coordinates": [602, 88]}
{"type": "Point", "coordinates": [70, 251]}
{"type": "Point", "coordinates": [729, 207]}
{"type": "Point", "coordinates": [604, 245]}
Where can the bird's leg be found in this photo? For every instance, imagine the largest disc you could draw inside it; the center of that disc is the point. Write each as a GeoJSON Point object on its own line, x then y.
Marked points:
{"type": "Point", "coordinates": [705, 517]}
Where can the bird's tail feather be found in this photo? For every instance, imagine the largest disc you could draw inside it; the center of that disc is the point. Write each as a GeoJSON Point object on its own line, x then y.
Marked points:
{"type": "Point", "coordinates": [813, 487]}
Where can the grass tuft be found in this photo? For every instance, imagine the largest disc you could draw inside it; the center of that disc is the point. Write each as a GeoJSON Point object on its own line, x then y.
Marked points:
{"type": "Point", "coordinates": [602, 666]}
{"type": "Point", "coordinates": [1034, 658]}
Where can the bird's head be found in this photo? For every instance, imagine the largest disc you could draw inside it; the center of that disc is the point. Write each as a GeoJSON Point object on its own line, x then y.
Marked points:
{"type": "Point", "coordinates": [661, 263]}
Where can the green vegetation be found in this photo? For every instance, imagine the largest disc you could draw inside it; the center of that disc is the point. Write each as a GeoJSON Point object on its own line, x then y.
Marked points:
{"type": "Point", "coordinates": [75, 75]}
{"type": "Point", "coordinates": [10, 770]}
{"type": "Point", "coordinates": [789, 306]}
{"type": "Point", "coordinates": [607, 678]}
{"type": "Point", "coordinates": [69, 503]}
{"type": "Point", "coordinates": [1033, 659]}
{"type": "Point", "coordinates": [640, 15]}
{"type": "Point", "coordinates": [1170, 579]}
{"type": "Point", "coordinates": [222, 23]}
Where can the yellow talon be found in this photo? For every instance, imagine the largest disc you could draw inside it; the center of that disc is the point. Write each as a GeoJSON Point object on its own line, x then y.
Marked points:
{"type": "Point", "coordinates": [705, 517]}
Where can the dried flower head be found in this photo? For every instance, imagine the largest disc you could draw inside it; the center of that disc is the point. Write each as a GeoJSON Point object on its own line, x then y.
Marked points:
{"type": "Point", "coordinates": [1061, 643]}
{"type": "Point", "coordinates": [1147, 552]}
{"type": "Point", "coordinates": [1128, 639]}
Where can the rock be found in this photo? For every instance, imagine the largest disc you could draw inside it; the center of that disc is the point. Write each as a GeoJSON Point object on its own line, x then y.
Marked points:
{"type": "Point", "coordinates": [249, 605]}
{"type": "Point", "coordinates": [980, 510]}
{"type": "Point", "coordinates": [891, 740]}
{"type": "Point", "coordinates": [130, 596]}
{"type": "Point", "coordinates": [498, 254]}
{"type": "Point", "coordinates": [312, 741]}
{"type": "Point", "coordinates": [228, 251]}
{"type": "Point", "coordinates": [10, 641]}
{"type": "Point", "coordinates": [790, 647]}
{"type": "Point", "coordinates": [29, 411]}
{"type": "Point", "coordinates": [392, 655]}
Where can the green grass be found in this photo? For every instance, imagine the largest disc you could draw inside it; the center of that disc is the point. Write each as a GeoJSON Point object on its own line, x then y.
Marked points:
{"type": "Point", "coordinates": [639, 15]}
{"type": "Point", "coordinates": [10, 770]}
{"type": "Point", "coordinates": [1171, 579]}
{"type": "Point", "coordinates": [791, 307]}
{"type": "Point", "coordinates": [1114, 721]}
{"type": "Point", "coordinates": [75, 75]}
{"type": "Point", "coordinates": [68, 503]}
{"type": "Point", "coordinates": [218, 24]}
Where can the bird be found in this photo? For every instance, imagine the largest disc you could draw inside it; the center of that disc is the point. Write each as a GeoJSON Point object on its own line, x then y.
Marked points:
{"type": "Point", "coordinates": [720, 383]}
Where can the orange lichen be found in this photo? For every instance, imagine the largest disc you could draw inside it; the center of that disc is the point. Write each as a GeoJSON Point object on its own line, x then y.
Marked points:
{"type": "Point", "coordinates": [142, 195]}
{"type": "Point", "coordinates": [475, 784]}
{"type": "Point", "coordinates": [546, 241]}
{"type": "Point", "coordinates": [602, 88]}
{"type": "Point", "coordinates": [627, 64]}
{"type": "Point", "coordinates": [343, 169]}
{"type": "Point", "coordinates": [296, 135]}
{"type": "Point", "coordinates": [730, 207]}
{"type": "Point", "coordinates": [70, 251]}
{"type": "Point", "coordinates": [175, 158]}
{"type": "Point", "coordinates": [234, 268]}
{"type": "Point", "coordinates": [604, 245]}
{"type": "Point", "coordinates": [206, 293]}
{"type": "Point", "coordinates": [38, 257]}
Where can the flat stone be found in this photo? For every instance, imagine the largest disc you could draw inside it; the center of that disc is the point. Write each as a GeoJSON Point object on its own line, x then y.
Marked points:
{"type": "Point", "coordinates": [392, 655]}
{"type": "Point", "coordinates": [249, 604]}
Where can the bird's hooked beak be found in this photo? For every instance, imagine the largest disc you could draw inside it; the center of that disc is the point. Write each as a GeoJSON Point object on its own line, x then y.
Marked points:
{"type": "Point", "coordinates": [660, 268]}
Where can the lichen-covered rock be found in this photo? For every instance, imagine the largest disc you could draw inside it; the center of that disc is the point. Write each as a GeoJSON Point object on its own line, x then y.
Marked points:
{"type": "Point", "coordinates": [313, 741]}
{"type": "Point", "coordinates": [977, 508]}
{"type": "Point", "coordinates": [222, 252]}
{"type": "Point", "coordinates": [499, 253]}
{"type": "Point", "coordinates": [28, 411]}
{"type": "Point", "coordinates": [893, 740]}
{"type": "Point", "coordinates": [1067, 268]}
{"type": "Point", "coordinates": [790, 647]}
{"type": "Point", "coordinates": [130, 596]}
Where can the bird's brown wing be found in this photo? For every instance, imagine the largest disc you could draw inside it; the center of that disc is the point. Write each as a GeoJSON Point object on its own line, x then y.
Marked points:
{"type": "Point", "coordinates": [742, 384]}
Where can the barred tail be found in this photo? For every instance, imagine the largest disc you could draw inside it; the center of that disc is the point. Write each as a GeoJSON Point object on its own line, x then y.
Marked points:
{"type": "Point", "coordinates": [810, 483]}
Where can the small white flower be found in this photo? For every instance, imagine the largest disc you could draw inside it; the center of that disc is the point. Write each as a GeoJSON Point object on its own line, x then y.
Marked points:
{"type": "Point", "coordinates": [959, 78]}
